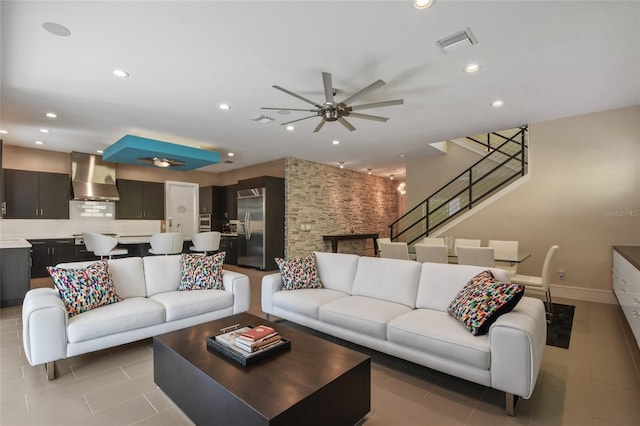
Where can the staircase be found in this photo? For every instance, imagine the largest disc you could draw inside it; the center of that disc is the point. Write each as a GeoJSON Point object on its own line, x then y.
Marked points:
{"type": "Point", "coordinates": [505, 162]}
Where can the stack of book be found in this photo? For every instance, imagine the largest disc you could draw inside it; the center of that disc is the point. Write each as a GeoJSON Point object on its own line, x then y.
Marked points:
{"type": "Point", "coordinates": [257, 338]}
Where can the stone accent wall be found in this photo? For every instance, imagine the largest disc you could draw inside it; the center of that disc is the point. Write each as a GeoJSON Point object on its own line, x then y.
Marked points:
{"type": "Point", "coordinates": [323, 200]}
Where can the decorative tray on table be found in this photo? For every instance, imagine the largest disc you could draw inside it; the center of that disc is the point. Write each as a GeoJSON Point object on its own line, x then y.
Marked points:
{"type": "Point", "coordinates": [224, 343]}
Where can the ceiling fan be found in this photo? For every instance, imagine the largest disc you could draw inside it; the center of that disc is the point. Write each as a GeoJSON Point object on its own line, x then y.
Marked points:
{"type": "Point", "coordinates": [162, 162]}
{"type": "Point", "coordinates": [331, 110]}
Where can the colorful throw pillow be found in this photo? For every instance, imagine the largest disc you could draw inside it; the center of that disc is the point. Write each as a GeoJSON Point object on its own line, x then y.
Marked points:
{"type": "Point", "coordinates": [84, 289]}
{"type": "Point", "coordinates": [482, 300]}
{"type": "Point", "coordinates": [299, 273]}
{"type": "Point", "coordinates": [201, 272]}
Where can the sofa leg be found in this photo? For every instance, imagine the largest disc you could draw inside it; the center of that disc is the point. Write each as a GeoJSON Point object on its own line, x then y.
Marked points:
{"type": "Point", "coordinates": [50, 369]}
{"type": "Point", "coordinates": [268, 317]}
{"type": "Point", "coordinates": [512, 403]}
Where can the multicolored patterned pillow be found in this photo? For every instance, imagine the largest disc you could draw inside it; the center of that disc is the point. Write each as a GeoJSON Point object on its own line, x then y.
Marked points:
{"type": "Point", "coordinates": [299, 273]}
{"type": "Point", "coordinates": [201, 272]}
{"type": "Point", "coordinates": [84, 289]}
{"type": "Point", "coordinates": [482, 300]}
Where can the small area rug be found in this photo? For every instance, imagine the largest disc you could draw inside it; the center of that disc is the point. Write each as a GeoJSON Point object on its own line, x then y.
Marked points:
{"type": "Point", "coordinates": [559, 331]}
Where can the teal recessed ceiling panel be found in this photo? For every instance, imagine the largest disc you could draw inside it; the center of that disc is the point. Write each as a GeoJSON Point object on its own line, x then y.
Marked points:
{"type": "Point", "coordinates": [142, 152]}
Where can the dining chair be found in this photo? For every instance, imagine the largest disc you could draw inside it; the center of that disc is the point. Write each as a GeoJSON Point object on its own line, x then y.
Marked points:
{"type": "Point", "coordinates": [464, 242]}
{"type": "Point", "coordinates": [206, 242]}
{"type": "Point", "coordinates": [381, 240]}
{"type": "Point", "coordinates": [102, 245]}
{"type": "Point", "coordinates": [166, 243]}
{"type": "Point", "coordinates": [478, 256]}
{"type": "Point", "coordinates": [431, 253]}
{"type": "Point", "coordinates": [397, 250]}
{"type": "Point", "coordinates": [540, 284]}
{"type": "Point", "coordinates": [505, 250]}
{"type": "Point", "coordinates": [433, 241]}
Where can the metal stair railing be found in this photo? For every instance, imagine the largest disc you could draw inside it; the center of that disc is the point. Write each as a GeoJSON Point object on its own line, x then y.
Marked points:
{"type": "Point", "coordinates": [502, 165]}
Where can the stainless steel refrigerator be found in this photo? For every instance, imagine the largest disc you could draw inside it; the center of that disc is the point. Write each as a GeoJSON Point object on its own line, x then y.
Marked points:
{"type": "Point", "coordinates": [251, 227]}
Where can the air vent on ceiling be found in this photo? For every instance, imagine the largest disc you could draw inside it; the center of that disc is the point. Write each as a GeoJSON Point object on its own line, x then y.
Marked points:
{"type": "Point", "coordinates": [262, 119]}
{"type": "Point", "coordinates": [457, 41]}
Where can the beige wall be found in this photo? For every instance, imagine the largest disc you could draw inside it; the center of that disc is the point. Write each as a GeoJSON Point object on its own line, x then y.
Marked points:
{"type": "Point", "coordinates": [15, 157]}
{"type": "Point", "coordinates": [583, 194]}
{"type": "Point", "coordinates": [333, 201]}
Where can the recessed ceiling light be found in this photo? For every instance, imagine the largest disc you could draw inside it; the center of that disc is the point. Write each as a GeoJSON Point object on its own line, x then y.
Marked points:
{"type": "Point", "coordinates": [230, 154]}
{"type": "Point", "coordinates": [290, 128]}
{"type": "Point", "coordinates": [471, 68]}
{"type": "Point", "coordinates": [100, 151]}
{"type": "Point", "coordinates": [56, 29]}
{"type": "Point", "coordinates": [44, 130]}
{"type": "Point", "coordinates": [39, 143]}
{"type": "Point", "coordinates": [4, 132]}
{"type": "Point", "coordinates": [336, 142]}
{"type": "Point", "coordinates": [423, 4]}
{"type": "Point", "coordinates": [224, 106]}
{"type": "Point", "coordinates": [120, 73]}
{"type": "Point", "coordinates": [497, 104]}
{"type": "Point", "coordinates": [51, 115]}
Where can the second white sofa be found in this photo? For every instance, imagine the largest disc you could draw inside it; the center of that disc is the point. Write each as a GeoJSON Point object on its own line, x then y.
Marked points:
{"type": "Point", "coordinates": [399, 307]}
{"type": "Point", "coordinates": [151, 305]}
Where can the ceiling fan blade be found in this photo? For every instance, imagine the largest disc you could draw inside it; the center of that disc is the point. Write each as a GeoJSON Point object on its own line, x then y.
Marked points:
{"type": "Point", "coordinates": [346, 124]}
{"type": "Point", "coordinates": [328, 87]}
{"type": "Point", "coordinates": [377, 104]}
{"type": "Point", "coordinates": [295, 95]}
{"type": "Point", "coordinates": [319, 126]}
{"type": "Point", "coordinates": [290, 109]}
{"type": "Point", "coordinates": [299, 119]}
{"type": "Point", "coordinates": [370, 88]}
{"type": "Point", "coordinates": [368, 117]}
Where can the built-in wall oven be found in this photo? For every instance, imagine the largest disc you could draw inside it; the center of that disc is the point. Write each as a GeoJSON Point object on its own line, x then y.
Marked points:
{"type": "Point", "coordinates": [204, 222]}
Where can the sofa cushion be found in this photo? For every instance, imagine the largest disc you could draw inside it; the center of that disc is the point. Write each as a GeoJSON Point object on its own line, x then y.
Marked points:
{"type": "Point", "coordinates": [337, 270]}
{"type": "Point", "coordinates": [440, 282]}
{"type": "Point", "coordinates": [129, 314]}
{"type": "Point", "coordinates": [483, 300]}
{"type": "Point", "coordinates": [299, 272]}
{"type": "Point", "coordinates": [128, 276]}
{"type": "Point", "coordinates": [392, 280]}
{"type": "Point", "coordinates": [83, 289]}
{"type": "Point", "coordinates": [201, 272]}
{"type": "Point", "coordinates": [438, 333]}
{"type": "Point", "coordinates": [305, 301]}
{"type": "Point", "coordinates": [161, 273]}
{"type": "Point", "coordinates": [361, 314]}
{"type": "Point", "coordinates": [185, 304]}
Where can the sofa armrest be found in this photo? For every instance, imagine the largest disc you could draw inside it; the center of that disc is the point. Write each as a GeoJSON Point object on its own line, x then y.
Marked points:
{"type": "Point", "coordinates": [44, 326]}
{"type": "Point", "coordinates": [271, 284]}
{"type": "Point", "coordinates": [517, 341]}
{"type": "Point", "coordinates": [239, 285]}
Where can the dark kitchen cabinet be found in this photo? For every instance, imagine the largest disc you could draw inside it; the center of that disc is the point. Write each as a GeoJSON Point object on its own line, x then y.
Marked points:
{"type": "Point", "coordinates": [36, 195]}
{"type": "Point", "coordinates": [213, 200]}
{"type": "Point", "coordinates": [15, 275]}
{"type": "Point", "coordinates": [230, 245]}
{"type": "Point", "coordinates": [232, 202]}
{"type": "Point", "coordinates": [50, 252]}
{"type": "Point", "coordinates": [140, 200]}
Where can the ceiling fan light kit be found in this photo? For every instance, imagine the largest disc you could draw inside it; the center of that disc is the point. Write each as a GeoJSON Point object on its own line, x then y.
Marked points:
{"type": "Point", "coordinates": [331, 111]}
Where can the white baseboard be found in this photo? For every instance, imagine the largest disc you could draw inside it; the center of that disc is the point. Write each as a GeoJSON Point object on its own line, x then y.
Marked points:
{"type": "Point", "coordinates": [581, 293]}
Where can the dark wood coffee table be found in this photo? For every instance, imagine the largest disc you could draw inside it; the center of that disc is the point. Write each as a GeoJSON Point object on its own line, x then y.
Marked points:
{"type": "Point", "coordinates": [316, 382]}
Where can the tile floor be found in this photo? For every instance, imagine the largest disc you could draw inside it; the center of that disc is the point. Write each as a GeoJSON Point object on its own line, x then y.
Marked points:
{"type": "Point", "coordinates": [594, 382]}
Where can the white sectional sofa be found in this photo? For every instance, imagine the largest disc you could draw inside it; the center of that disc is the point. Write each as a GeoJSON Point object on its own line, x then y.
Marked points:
{"type": "Point", "coordinates": [399, 307]}
{"type": "Point", "coordinates": [151, 305]}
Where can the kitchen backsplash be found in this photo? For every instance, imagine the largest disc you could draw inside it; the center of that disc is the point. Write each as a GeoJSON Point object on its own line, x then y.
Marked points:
{"type": "Point", "coordinates": [43, 228]}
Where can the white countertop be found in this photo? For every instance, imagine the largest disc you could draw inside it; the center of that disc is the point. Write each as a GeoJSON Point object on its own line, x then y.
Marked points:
{"type": "Point", "coordinates": [7, 243]}
{"type": "Point", "coordinates": [230, 234]}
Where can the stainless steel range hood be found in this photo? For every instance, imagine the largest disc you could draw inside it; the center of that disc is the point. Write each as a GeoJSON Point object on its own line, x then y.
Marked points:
{"type": "Point", "coordinates": [93, 179]}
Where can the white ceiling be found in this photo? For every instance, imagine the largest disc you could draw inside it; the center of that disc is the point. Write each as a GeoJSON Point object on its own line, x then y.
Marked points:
{"type": "Point", "coordinates": [545, 59]}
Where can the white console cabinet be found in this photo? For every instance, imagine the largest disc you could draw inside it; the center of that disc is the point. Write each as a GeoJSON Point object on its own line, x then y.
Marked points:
{"type": "Point", "coordinates": [626, 285]}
